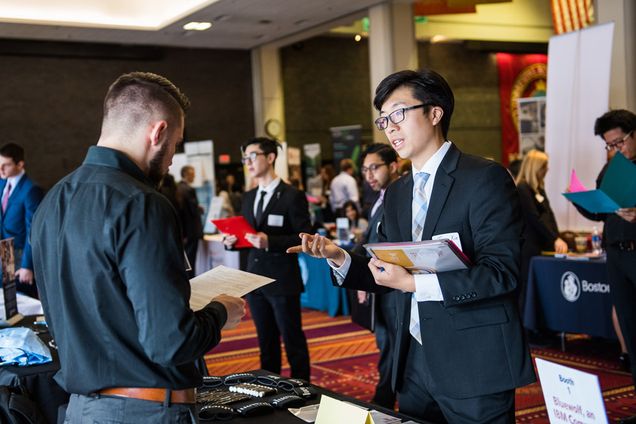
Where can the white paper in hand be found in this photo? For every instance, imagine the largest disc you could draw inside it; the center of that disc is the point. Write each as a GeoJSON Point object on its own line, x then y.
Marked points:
{"type": "Point", "coordinates": [223, 280]}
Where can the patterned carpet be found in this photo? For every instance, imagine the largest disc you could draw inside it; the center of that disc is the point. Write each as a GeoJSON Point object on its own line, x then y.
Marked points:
{"type": "Point", "coordinates": [344, 356]}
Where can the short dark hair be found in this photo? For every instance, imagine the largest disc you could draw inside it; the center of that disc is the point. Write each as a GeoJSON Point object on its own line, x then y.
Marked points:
{"type": "Point", "coordinates": [619, 118]}
{"type": "Point", "coordinates": [346, 164]}
{"type": "Point", "coordinates": [184, 170]}
{"type": "Point", "coordinates": [137, 95]}
{"type": "Point", "coordinates": [386, 152]}
{"type": "Point", "coordinates": [267, 145]}
{"type": "Point", "coordinates": [427, 86]}
{"type": "Point", "coordinates": [13, 151]}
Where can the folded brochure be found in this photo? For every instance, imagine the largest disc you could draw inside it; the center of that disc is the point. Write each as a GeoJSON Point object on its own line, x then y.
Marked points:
{"type": "Point", "coordinates": [421, 257]}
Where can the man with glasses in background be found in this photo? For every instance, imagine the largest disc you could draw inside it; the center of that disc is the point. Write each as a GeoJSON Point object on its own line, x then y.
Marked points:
{"type": "Point", "coordinates": [379, 169]}
{"type": "Point", "coordinates": [459, 351]}
{"type": "Point", "coordinates": [616, 128]}
{"type": "Point", "coordinates": [278, 212]}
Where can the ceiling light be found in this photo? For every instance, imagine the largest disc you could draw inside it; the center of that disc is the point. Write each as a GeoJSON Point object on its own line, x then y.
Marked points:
{"type": "Point", "coordinates": [358, 37]}
{"type": "Point", "coordinates": [438, 38]}
{"type": "Point", "coordinates": [197, 26]}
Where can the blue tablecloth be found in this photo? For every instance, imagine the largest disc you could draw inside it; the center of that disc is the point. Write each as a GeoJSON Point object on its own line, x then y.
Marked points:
{"type": "Point", "coordinates": [320, 293]}
{"type": "Point", "coordinates": [569, 295]}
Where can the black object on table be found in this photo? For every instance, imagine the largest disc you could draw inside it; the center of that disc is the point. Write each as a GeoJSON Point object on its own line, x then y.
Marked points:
{"type": "Point", "coordinates": [38, 379]}
{"type": "Point", "coordinates": [569, 296]}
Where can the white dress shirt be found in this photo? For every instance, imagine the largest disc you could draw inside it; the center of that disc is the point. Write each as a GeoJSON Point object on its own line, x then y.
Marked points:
{"type": "Point", "coordinates": [269, 189]}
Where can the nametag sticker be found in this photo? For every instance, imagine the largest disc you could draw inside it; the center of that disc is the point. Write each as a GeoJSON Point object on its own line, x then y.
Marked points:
{"type": "Point", "coordinates": [275, 220]}
{"type": "Point", "coordinates": [539, 198]}
{"type": "Point", "coordinates": [454, 237]}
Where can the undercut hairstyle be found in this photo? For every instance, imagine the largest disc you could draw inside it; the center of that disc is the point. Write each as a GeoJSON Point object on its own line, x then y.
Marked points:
{"type": "Point", "coordinates": [386, 152]}
{"type": "Point", "coordinates": [267, 145]}
{"type": "Point", "coordinates": [138, 96]}
{"type": "Point", "coordinates": [13, 151]}
{"type": "Point", "coordinates": [427, 86]}
{"type": "Point", "coordinates": [619, 118]}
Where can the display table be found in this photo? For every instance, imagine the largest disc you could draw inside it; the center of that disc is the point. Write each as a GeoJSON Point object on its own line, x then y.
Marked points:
{"type": "Point", "coordinates": [320, 293]}
{"type": "Point", "coordinates": [38, 379]}
{"type": "Point", "coordinates": [569, 296]}
{"type": "Point", "coordinates": [26, 305]}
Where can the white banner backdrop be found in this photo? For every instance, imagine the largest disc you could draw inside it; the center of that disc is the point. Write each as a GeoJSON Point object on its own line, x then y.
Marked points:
{"type": "Point", "coordinates": [578, 93]}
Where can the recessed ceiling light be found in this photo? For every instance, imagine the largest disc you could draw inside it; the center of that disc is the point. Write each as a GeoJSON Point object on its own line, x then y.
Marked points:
{"type": "Point", "coordinates": [197, 26]}
{"type": "Point", "coordinates": [438, 38]}
{"type": "Point", "coordinates": [358, 37]}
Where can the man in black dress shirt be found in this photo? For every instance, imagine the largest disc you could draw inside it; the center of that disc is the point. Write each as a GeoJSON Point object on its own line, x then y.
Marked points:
{"type": "Point", "coordinates": [617, 128]}
{"type": "Point", "coordinates": [110, 268]}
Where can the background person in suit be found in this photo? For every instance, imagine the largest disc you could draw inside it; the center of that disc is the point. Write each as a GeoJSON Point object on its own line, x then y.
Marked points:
{"type": "Point", "coordinates": [617, 129]}
{"type": "Point", "coordinates": [540, 231]}
{"type": "Point", "coordinates": [277, 211]}
{"type": "Point", "coordinates": [379, 169]}
{"type": "Point", "coordinates": [190, 214]}
{"type": "Point", "coordinates": [20, 199]}
{"type": "Point", "coordinates": [460, 350]}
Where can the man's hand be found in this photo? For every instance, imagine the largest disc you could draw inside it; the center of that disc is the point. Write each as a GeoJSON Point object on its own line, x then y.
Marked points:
{"type": "Point", "coordinates": [362, 296]}
{"type": "Point", "coordinates": [258, 240]}
{"type": "Point", "coordinates": [560, 246]}
{"type": "Point", "coordinates": [628, 214]}
{"type": "Point", "coordinates": [390, 275]}
{"type": "Point", "coordinates": [235, 307]}
{"type": "Point", "coordinates": [229, 240]}
{"type": "Point", "coordinates": [24, 275]}
{"type": "Point", "coordinates": [319, 247]}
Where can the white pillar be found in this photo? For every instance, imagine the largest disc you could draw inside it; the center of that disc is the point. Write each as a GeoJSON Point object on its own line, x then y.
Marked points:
{"type": "Point", "coordinates": [622, 80]}
{"type": "Point", "coordinates": [392, 45]}
{"type": "Point", "coordinates": [267, 87]}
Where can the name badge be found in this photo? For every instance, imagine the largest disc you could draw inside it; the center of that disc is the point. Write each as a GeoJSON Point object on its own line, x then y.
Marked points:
{"type": "Point", "coordinates": [454, 237]}
{"type": "Point", "coordinates": [275, 220]}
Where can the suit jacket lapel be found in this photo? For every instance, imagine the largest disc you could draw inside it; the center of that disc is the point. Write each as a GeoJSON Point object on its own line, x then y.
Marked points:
{"type": "Point", "coordinates": [441, 188]}
{"type": "Point", "coordinates": [405, 213]}
{"type": "Point", "coordinates": [249, 205]}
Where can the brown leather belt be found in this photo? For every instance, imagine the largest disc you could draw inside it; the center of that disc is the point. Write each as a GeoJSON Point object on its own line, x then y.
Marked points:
{"type": "Point", "coordinates": [156, 395]}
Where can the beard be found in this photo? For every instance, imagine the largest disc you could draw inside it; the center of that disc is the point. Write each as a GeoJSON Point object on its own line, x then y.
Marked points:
{"type": "Point", "coordinates": [155, 168]}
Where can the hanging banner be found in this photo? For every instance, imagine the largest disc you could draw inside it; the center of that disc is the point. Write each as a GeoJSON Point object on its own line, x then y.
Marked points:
{"type": "Point", "coordinates": [346, 145]}
{"type": "Point", "coordinates": [520, 75]}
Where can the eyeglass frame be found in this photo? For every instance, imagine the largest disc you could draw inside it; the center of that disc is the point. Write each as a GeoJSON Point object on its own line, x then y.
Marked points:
{"type": "Point", "coordinates": [617, 144]}
{"type": "Point", "coordinates": [251, 157]}
{"type": "Point", "coordinates": [401, 110]}
{"type": "Point", "coordinates": [373, 167]}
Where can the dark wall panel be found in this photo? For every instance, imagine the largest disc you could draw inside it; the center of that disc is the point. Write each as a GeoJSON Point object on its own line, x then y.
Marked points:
{"type": "Point", "coordinates": [51, 97]}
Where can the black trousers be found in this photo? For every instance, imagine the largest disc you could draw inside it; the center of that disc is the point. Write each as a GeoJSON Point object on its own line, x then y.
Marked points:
{"type": "Point", "coordinates": [621, 270]}
{"type": "Point", "coordinates": [417, 397]}
{"type": "Point", "coordinates": [385, 328]}
{"type": "Point", "coordinates": [276, 317]}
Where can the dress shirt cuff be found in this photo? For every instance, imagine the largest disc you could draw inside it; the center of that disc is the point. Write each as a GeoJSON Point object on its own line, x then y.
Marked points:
{"type": "Point", "coordinates": [340, 272]}
{"type": "Point", "coordinates": [427, 288]}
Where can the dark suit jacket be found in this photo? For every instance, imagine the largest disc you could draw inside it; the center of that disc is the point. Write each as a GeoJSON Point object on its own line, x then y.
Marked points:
{"type": "Point", "coordinates": [292, 205]}
{"type": "Point", "coordinates": [473, 340]}
{"type": "Point", "coordinates": [540, 225]}
{"type": "Point", "coordinates": [16, 220]}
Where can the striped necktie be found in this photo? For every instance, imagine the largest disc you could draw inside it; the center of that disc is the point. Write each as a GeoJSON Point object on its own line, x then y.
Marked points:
{"type": "Point", "coordinates": [421, 205]}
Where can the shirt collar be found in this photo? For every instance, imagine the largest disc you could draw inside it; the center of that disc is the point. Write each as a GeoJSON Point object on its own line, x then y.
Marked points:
{"type": "Point", "coordinates": [105, 156]}
{"type": "Point", "coordinates": [269, 188]}
{"type": "Point", "coordinates": [431, 165]}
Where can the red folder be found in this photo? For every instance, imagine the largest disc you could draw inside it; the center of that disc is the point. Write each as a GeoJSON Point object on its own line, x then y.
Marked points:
{"type": "Point", "coordinates": [237, 226]}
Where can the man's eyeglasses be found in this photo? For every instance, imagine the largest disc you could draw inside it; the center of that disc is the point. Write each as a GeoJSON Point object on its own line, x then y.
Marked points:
{"type": "Point", "coordinates": [251, 157]}
{"type": "Point", "coordinates": [618, 143]}
{"type": "Point", "coordinates": [396, 117]}
{"type": "Point", "coordinates": [373, 167]}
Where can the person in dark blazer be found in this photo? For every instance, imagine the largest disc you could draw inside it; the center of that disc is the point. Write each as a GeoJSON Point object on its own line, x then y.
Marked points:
{"type": "Point", "coordinates": [190, 215]}
{"type": "Point", "coordinates": [20, 198]}
{"type": "Point", "coordinates": [460, 350]}
{"type": "Point", "coordinates": [379, 169]}
{"type": "Point", "coordinates": [278, 212]}
{"type": "Point", "coordinates": [540, 231]}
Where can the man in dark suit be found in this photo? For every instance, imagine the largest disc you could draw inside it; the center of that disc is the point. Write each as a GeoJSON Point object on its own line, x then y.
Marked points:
{"type": "Point", "coordinates": [190, 215]}
{"type": "Point", "coordinates": [460, 350]}
{"type": "Point", "coordinates": [278, 212]}
{"type": "Point", "coordinates": [20, 199]}
{"type": "Point", "coordinates": [379, 169]}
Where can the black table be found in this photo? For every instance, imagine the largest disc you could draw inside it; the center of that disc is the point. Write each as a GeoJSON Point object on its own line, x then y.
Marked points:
{"type": "Point", "coordinates": [569, 296]}
{"type": "Point", "coordinates": [38, 379]}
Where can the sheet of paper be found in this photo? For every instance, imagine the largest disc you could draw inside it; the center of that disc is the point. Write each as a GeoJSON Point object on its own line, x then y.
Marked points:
{"type": "Point", "coordinates": [429, 256]}
{"type": "Point", "coordinates": [576, 184]}
{"type": "Point", "coordinates": [336, 411]}
{"type": "Point", "coordinates": [223, 280]}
